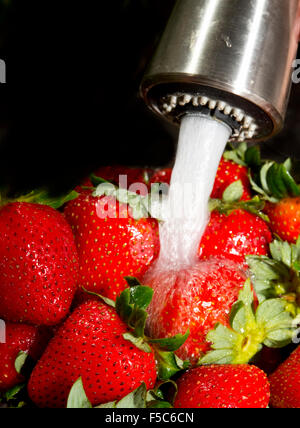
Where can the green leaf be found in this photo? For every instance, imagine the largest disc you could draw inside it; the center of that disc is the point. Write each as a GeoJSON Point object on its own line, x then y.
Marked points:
{"type": "Point", "coordinates": [109, 405]}
{"type": "Point", "coordinates": [277, 323]}
{"type": "Point", "coordinates": [43, 197]}
{"type": "Point", "coordinates": [106, 300]}
{"type": "Point", "coordinates": [163, 390]}
{"type": "Point", "coordinates": [139, 204]}
{"type": "Point", "coordinates": [290, 184]}
{"type": "Point", "coordinates": [141, 296]}
{"type": "Point", "coordinates": [134, 400]}
{"type": "Point", "coordinates": [97, 180]}
{"type": "Point", "coordinates": [20, 361]}
{"type": "Point", "coordinates": [131, 305]}
{"type": "Point", "coordinates": [156, 404]}
{"type": "Point", "coordinates": [139, 342]}
{"type": "Point", "coordinates": [274, 181]}
{"type": "Point", "coordinates": [270, 324]}
{"type": "Point", "coordinates": [253, 206]}
{"type": "Point", "coordinates": [168, 364]}
{"type": "Point", "coordinates": [233, 192]}
{"type": "Point", "coordinates": [237, 154]}
{"type": "Point", "coordinates": [77, 397]}
{"type": "Point", "coordinates": [270, 278]}
{"type": "Point", "coordinates": [278, 276]}
{"type": "Point", "coordinates": [14, 391]}
{"type": "Point", "coordinates": [170, 343]}
{"type": "Point", "coordinates": [252, 157]}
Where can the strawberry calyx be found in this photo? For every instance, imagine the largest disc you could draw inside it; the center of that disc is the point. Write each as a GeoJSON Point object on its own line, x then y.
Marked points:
{"type": "Point", "coordinates": [140, 205]}
{"type": "Point", "coordinates": [231, 201]}
{"type": "Point", "coordinates": [243, 155]}
{"type": "Point", "coordinates": [274, 181]}
{"type": "Point", "coordinates": [278, 275]}
{"type": "Point", "coordinates": [250, 328]}
{"type": "Point", "coordinates": [140, 398]}
{"type": "Point", "coordinates": [131, 307]}
{"type": "Point", "coordinates": [14, 397]}
{"type": "Point", "coordinates": [42, 197]}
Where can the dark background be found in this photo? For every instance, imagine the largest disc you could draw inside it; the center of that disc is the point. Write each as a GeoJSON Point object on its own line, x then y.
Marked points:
{"type": "Point", "coordinates": [71, 100]}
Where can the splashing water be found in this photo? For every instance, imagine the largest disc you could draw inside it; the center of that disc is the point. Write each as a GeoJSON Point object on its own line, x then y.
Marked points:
{"type": "Point", "coordinates": [200, 147]}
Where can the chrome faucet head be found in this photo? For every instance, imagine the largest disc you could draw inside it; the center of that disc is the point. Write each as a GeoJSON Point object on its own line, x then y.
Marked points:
{"type": "Point", "coordinates": [231, 59]}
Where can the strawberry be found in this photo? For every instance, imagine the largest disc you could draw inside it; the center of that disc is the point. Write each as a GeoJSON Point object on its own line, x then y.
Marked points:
{"type": "Point", "coordinates": [275, 184]}
{"type": "Point", "coordinates": [22, 338]}
{"type": "Point", "coordinates": [110, 242]}
{"type": "Point", "coordinates": [235, 236]}
{"type": "Point", "coordinates": [90, 344]}
{"type": "Point", "coordinates": [285, 218]}
{"type": "Point", "coordinates": [221, 312]}
{"type": "Point", "coordinates": [104, 345]}
{"type": "Point", "coordinates": [38, 264]}
{"type": "Point", "coordinates": [279, 274]}
{"type": "Point", "coordinates": [161, 176]}
{"type": "Point", "coordinates": [194, 299]}
{"type": "Point", "coordinates": [223, 386]}
{"type": "Point", "coordinates": [228, 172]}
{"type": "Point", "coordinates": [285, 383]}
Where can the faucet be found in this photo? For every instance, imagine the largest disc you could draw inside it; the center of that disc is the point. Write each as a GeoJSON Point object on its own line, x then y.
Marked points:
{"type": "Point", "coordinates": [230, 60]}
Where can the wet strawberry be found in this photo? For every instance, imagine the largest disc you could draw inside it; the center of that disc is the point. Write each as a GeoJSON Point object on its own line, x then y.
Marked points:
{"type": "Point", "coordinates": [111, 244]}
{"type": "Point", "coordinates": [194, 298]}
{"type": "Point", "coordinates": [285, 383]}
{"type": "Point", "coordinates": [235, 236]}
{"type": "Point", "coordinates": [229, 172]}
{"type": "Point", "coordinates": [38, 264]}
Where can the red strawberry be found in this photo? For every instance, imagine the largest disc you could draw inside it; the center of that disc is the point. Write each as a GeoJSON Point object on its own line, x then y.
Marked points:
{"type": "Point", "coordinates": [194, 299]}
{"type": "Point", "coordinates": [235, 236]}
{"type": "Point", "coordinates": [223, 386]}
{"type": "Point", "coordinates": [229, 172]}
{"type": "Point", "coordinates": [285, 383]}
{"type": "Point", "coordinates": [161, 176]}
{"type": "Point", "coordinates": [90, 345]}
{"type": "Point", "coordinates": [111, 244]}
{"type": "Point", "coordinates": [38, 264]}
{"type": "Point", "coordinates": [285, 218]}
{"type": "Point", "coordinates": [19, 337]}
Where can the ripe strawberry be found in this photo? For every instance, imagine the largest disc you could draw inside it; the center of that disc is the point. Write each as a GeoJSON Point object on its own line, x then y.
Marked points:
{"type": "Point", "coordinates": [285, 383]}
{"type": "Point", "coordinates": [161, 176]}
{"type": "Point", "coordinates": [38, 264]}
{"type": "Point", "coordinates": [285, 218]}
{"type": "Point", "coordinates": [229, 172]}
{"type": "Point", "coordinates": [111, 244]}
{"type": "Point", "coordinates": [19, 337]}
{"type": "Point", "coordinates": [195, 298]}
{"type": "Point", "coordinates": [90, 345]}
{"type": "Point", "coordinates": [223, 386]}
{"type": "Point", "coordinates": [235, 236]}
